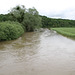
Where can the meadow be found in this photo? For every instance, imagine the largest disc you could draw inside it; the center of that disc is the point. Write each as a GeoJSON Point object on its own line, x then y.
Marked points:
{"type": "Point", "coordinates": [69, 32]}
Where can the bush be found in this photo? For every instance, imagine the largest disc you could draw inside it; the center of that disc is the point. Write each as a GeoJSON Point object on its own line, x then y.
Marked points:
{"type": "Point", "coordinates": [10, 30]}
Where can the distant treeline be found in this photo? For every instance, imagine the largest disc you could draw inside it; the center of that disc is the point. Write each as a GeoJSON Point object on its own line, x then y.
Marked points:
{"type": "Point", "coordinates": [50, 22]}
{"type": "Point", "coordinates": [46, 21]}
{"type": "Point", "coordinates": [5, 17]}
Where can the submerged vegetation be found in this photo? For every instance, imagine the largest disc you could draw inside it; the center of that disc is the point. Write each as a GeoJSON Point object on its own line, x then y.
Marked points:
{"type": "Point", "coordinates": [69, 32]}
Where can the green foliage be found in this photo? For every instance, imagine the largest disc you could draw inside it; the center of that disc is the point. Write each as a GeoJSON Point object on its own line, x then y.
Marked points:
{"type": "Point", "coordinates": [6, 17]}
{"type": "Point", "coordinates": [24, 19]}
{"type": "Point", "coordinates": [29, 18]}
{"type": "Point", "coordinates": [10, 30]}
{"type": "Point", "coordinates": [49, 22]}
{"type": "Point", "coordinates": [32, 20]}
{"type": "Point", "coordinates": [70, 32]}
{"type": "Point", "coordinates": [18, 13]}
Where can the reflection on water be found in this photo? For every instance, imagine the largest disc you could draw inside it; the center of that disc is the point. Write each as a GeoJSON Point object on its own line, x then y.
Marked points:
{"type": "Point", "coordinates": [38, 53]}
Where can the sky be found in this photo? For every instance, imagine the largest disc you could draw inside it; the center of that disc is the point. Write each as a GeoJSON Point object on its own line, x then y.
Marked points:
{"type": "Point", "coordinates": [64, 9]}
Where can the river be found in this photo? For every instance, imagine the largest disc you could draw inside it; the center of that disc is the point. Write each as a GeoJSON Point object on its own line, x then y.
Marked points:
{"type": "Point", "coordinates": [38, 53]}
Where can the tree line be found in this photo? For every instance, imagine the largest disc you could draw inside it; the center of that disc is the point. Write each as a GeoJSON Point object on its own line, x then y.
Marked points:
{"type": "Point", "coordinates": [50, 22]}
{"type": "Point", "coordinates": [44, 21]}
{"type": "Point", "coordinates": [29, 18]}
{"type": "Point", "coordinates": [19, 19]}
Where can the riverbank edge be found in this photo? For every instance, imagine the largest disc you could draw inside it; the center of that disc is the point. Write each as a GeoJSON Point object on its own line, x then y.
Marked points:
{"type": "Point", "coordinates": [62, 32]}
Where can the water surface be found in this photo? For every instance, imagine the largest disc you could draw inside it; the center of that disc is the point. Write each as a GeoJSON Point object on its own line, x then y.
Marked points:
{"type": "Point", "coordinates": [38, 53]}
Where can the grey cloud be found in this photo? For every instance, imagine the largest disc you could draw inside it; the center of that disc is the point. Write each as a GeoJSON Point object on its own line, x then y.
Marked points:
{"type": "Point", "coordinates": [66, 14]}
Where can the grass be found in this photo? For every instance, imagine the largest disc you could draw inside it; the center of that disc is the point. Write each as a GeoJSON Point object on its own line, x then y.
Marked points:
{"type": "Point", "coordinates": [69, 32]}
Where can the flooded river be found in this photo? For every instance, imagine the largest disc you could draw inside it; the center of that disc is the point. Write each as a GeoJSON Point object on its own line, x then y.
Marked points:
{"type": "Point", "coordinates": [38, 53]}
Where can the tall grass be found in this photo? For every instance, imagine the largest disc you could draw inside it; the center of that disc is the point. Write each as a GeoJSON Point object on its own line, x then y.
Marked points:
{"type": "Point", "coordinates": [69, 32]}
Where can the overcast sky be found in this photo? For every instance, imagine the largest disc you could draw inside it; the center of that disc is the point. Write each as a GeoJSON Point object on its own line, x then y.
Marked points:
{"type": "Point", "coordinates": [52, 8]}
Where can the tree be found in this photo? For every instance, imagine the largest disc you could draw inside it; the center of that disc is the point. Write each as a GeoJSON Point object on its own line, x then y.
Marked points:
{"type": "Point", "coordinates": [29, 18]}
{"type": "Point", "coordinates": [18, 13]}
{"type": "Point", "coordinates": [32, 20]}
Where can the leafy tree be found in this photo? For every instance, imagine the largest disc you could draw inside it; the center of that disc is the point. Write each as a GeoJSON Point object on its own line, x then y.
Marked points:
{"type": "Point", "coordinates": [18, 13]}
{"type": "Point", "coordinates": [29, 18]}
{"type": "Point", "coordinates": [32, 20]}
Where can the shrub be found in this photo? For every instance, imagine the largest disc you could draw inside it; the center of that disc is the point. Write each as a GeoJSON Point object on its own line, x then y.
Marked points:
{"type": "Point", "coordinates": [10, 30]}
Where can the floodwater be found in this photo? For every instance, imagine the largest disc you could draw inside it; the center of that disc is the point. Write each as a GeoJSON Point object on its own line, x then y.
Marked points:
{"type": "Point", "coordinates": [38, 53]}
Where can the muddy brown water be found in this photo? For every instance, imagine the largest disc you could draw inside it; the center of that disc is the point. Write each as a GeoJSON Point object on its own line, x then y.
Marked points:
{"type": "Point", "coordinates": [38, 53]}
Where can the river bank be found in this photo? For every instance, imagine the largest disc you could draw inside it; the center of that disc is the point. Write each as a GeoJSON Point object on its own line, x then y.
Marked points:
{"type": "Point", "coordinates": [69, 32]}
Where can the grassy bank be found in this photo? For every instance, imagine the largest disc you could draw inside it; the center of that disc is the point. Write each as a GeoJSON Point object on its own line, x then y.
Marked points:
{"type": "Point", "coordinates": [69, 32]}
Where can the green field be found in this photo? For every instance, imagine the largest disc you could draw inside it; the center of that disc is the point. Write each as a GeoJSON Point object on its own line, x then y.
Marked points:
{"type": "Point", "coordinates": [69, 32]}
